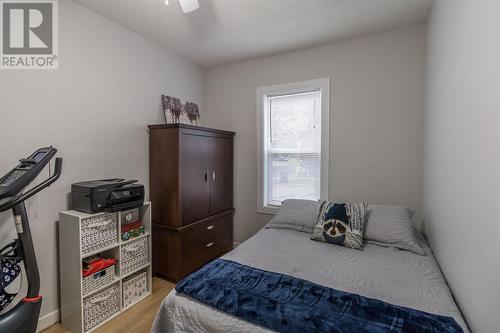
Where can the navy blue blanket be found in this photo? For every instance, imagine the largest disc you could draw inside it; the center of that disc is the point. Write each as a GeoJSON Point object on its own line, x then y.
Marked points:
{"type": "Point", "coordinates": [287, 304]}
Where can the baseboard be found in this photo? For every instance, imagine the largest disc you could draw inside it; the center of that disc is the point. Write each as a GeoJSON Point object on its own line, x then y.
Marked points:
{"type": "Point", "coordinates": [235, 245]}
{"type": "Point", "coordinates": [48, 320]}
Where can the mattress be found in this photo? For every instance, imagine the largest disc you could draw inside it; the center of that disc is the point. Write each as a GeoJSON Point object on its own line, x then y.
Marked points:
{"type": "Point", "coordinates": [388, 274]}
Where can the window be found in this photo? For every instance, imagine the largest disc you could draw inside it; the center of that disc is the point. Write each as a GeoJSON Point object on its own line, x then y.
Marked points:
{"type": "Point", "coordinates": [293, 137]}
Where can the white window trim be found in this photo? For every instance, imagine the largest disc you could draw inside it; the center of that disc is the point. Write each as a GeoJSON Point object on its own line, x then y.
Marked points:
{"type": "Point", "coordinates": [290, 88]}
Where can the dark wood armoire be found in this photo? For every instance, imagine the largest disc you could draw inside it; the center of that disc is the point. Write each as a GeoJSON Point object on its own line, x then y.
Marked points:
{"type": "Point", "coordinates": [191, 190]}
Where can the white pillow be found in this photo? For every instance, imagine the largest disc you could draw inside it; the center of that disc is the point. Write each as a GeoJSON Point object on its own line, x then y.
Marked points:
{"type": "Point", "coordinates": [391, 226]}
{"type": "Point", "coordinates": [296, 214]}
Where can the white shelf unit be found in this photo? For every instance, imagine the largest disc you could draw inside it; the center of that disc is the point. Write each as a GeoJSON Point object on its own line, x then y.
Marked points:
{"type": "Point", "coordinates": [71, 254]}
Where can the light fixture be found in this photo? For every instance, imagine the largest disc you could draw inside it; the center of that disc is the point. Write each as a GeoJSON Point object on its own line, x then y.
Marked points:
{"type": "Point", "coordinates": [187, 5]}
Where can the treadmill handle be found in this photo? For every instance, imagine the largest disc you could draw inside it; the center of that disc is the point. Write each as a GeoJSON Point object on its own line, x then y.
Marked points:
{"type": "Point", "coordinates": [24, 196]}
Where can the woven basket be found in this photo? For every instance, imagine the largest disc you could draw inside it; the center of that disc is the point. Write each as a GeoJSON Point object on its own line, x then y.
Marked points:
{"type": "Point", "coordinates": [134, 255]}
{"type": "Point", "coordinates": [99, 232]}
{"type": "Point", "coordinates": [100, 306]}
{"type": "Point", "coordinates": [99, 279]}
{"type": "Point", "coordinates": [134, 287]}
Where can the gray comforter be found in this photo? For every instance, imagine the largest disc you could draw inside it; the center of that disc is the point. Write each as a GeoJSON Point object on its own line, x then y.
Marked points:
{"type": "Point", "coordinates": [388, 274]}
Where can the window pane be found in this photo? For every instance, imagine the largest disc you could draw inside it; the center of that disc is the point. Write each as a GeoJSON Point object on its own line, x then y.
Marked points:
{"type": "Point", "coordinates": [296, 122]}
{"type": "Point", "coordinates": [294, 176]}
{"type": "Point", "coordinates": [294, 147]}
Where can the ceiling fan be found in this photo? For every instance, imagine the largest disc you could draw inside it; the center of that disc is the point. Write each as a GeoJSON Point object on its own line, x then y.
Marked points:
{"type": "Point", "coordinates": [187, 5]}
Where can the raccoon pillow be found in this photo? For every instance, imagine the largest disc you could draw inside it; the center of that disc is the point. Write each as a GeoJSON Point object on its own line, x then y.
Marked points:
{"type": "Point", "coordinates": [340, 224]}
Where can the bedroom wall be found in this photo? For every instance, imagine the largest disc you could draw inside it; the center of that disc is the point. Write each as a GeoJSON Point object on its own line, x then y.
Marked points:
{"type": "Point", "coordinates": [461, 153]}
{"type": "Point", "coordinates": [377, 94]}
{"type": "Point", "coordinates": [94, 109]}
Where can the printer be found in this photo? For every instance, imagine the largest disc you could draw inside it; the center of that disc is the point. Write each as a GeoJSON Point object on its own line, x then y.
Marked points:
{"type": "Point", "coordinates": [107, 195]}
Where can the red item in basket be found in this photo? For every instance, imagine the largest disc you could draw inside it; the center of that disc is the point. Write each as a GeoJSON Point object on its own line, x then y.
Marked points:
{"type": "Point", "coordinates": [97, 265]}
{"type": "Point", "coordinates": [131, 226]}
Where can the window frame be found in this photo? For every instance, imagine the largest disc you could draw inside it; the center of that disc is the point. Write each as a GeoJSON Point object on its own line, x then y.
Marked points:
{"type": "Point", "coordinates": [323, 85]}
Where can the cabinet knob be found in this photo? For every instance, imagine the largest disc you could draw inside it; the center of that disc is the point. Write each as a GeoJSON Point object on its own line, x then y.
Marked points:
{"type": "Point", "coordinates": [210, 244]}
{"type": "Point", "coordinates": [210, 227]}
{"type": "Point", "coordinates": [213, 176]}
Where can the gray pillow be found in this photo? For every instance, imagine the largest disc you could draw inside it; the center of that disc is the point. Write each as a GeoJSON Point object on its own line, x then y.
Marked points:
{"type": "Point", "coordinates": [296, 214]}
{"type": "Point", "coordinates": [391, 226]}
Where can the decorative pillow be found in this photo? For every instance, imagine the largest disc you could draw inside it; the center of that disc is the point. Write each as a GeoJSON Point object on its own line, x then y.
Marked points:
{"type": "Point", "coordinates": [296, 214]}
{"type": "Point", "coordinates": [341, 224]}
{"type": "Point", "coordinates": [391, 226]}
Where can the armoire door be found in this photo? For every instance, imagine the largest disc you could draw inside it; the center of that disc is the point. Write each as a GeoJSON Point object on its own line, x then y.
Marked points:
{"type": "Point", "coordinates": [221, 174]}
{"type": "Point", "coordinates": [194, 177]}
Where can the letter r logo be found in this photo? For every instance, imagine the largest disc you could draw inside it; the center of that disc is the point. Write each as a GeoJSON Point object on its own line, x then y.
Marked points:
{"type": "Point", "coordinates": [27, 28]}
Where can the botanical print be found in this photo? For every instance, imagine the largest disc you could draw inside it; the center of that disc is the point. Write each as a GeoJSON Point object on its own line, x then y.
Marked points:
{"type": "Point", "coordinates": [179, 111]}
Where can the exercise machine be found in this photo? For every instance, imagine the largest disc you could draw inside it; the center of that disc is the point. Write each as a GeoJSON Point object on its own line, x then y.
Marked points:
{"type": "Point", "coordinates": [23, 318]}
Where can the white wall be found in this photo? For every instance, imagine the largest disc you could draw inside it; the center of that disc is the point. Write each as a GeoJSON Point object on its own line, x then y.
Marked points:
{"type": "Point", "coordinates": [461, 153]}
{"type": "Point", "coordinates": [377, 101]}
{"type": "Point", "coordinates": [94, 109]}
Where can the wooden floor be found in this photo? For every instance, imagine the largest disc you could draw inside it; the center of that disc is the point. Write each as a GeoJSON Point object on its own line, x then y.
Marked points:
{"type": "Point", "coordinates": [137, 319]}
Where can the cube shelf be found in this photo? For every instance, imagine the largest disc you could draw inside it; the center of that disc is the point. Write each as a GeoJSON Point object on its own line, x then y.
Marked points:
{"type": "Point", "coordinates": [79, 238]}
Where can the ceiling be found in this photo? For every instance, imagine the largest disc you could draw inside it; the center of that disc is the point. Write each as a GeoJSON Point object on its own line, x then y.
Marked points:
{"type": "Point", "coordinates": [228, 31]}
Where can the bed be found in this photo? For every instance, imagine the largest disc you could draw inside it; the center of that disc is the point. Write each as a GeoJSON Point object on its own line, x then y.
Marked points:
{"type": "Point", "coordinates": [384, 273]}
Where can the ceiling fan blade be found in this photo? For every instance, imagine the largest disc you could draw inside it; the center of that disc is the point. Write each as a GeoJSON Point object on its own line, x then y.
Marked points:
{"type": "Point", "coordinates": [189, 5]}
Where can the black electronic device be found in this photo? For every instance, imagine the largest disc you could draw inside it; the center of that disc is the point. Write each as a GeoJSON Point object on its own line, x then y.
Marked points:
{"type": "Point", "coordinates": [23, 317]}
{"type": "Point", "coordinates": [108, 195]}
{"type": "Point", "coordinates": [22, 175]}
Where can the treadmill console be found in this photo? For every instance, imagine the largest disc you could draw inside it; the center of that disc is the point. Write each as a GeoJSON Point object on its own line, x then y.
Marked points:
{"type": "Point", "coordinates": [27, 170]}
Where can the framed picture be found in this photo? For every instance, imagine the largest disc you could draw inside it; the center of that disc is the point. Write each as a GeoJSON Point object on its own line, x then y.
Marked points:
{"type": "Point", "coordinates": [179, 111]}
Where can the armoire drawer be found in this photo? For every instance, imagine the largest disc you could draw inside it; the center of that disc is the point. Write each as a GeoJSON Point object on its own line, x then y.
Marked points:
{"type": "Point", "coordinates": [203, 233]}
{"type": "Point", "coordinates": [204, 242]}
